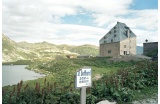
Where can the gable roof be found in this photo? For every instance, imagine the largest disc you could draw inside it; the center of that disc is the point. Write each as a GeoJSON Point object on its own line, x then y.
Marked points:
{"type": "Point", "coordinates": [117, 34]}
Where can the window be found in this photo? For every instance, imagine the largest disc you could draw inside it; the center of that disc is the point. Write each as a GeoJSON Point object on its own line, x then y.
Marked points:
{"type": "Point", "coordinates": [111, 40]}
{"type": "Point", "coordinates": [104, 41]}
{"type": "Point", "coordinates": [124, 46]}
{"type": "Point", "coordinates": [115, 35]}
{"type": "Point", "coordinates": [130, 31]}
{"type": "Point", "coordinates": [126, 27]}
{"type": "Point", "coordinates": [110, 32]}
{"type": "Point", "coordinates": [104, 37]}
{"type": "Point", "coordinates": [114, 27]}
{"type": "Point", "coordinates": [109, 51]}
{"type": "Point", "coordinates": [114, 31]}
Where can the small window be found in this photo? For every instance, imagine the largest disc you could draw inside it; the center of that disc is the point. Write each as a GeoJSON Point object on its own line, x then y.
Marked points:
{"type": "Point", "coordinates": [109, 51]}
{"type": "Point", "coordinates": [110, 32]}
{"type": "Point", "coordinates": [111, 40]}
{"type": "Point", "coordinates": [124, 46]}
{"type": "Point", "coordinates": [114, 31]}
{"type": "Point", "coordinates": [104, 41]}
{"type": "Point", "coordinates": [126, 32]}
{"type": "Point", "coordinates": [126, 27]}
{"type": "Point", "coordinates": [114, 27]}
{"type": "Point", "coordinates": [104, 37]}
{"type": "Point", "coordinates": [115, 35]}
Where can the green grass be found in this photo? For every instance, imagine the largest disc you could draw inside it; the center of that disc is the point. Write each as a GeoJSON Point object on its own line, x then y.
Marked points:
{"type": "Point", "coordinates": [103, 71]}
{"type": "Point", "coordinates": [152, 53]}
{"type": "Point", "coordinates": [19, 62]}
{"type": "Point", "coordinates": [62, 72]}
{"type": "Point", "coordinates": [66, 68]}
{"type": "Point", "coordinates": [147, 93]}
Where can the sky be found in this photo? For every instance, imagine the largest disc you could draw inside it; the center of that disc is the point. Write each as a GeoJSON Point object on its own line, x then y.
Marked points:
{"type": "Point", "coordinates": [77, 22]}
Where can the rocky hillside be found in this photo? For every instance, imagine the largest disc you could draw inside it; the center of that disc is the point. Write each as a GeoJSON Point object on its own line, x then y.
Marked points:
{"type": "Point", "coordinates": [13, 51]}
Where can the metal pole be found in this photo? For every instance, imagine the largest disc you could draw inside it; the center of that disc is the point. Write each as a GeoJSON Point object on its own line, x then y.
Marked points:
{"type": "Point", "coordinates": [83, 95]}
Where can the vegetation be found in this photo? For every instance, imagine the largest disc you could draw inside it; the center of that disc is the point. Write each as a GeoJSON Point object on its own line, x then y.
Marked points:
{"type": "Point", "coordinates": [119, 83]}
{"type": "Point", "coordinates": [120, 86]}
{"type": "Point", "coordinates": [86, 50]}
{"type": "Point", "coordinates": [153, 53]}
{"type": "Point", "coordinates": [19, 62]}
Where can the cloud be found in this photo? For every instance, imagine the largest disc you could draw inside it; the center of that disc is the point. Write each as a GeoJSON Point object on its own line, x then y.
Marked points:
{"type": "Point", "coordinates": [142, 35]}
{"type": "Point", "coordinates": [41, 20]}
{"type": "Point", "coordinates": [146, 19]}
{"type": "Point", "coordinates": [58, 33]}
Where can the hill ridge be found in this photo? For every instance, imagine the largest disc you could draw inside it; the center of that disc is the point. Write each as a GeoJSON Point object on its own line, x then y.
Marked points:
{"type": "Point", "coordinates": [13, 51]}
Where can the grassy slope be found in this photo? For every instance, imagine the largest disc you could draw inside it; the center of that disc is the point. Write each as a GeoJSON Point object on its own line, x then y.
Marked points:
{"type": "Point", "coordinates": [62, 72]}
{"type": "Point", "coordinates": [99, 66]}
{"type": "Point", "coordinates": [86, 50]}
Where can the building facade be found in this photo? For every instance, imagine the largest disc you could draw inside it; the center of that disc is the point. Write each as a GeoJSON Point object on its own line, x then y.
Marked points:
{"type": "Point", "coordinates": [120, 40]}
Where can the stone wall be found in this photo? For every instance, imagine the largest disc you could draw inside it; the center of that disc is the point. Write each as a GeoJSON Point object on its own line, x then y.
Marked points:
{"type": "Point", "coordinates": [110, 49]}
{"type": "Point", "coordinates": [149, 47]}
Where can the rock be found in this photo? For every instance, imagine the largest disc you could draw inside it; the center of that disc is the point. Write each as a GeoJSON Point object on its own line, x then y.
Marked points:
{"type": "Point", "coordinates": [106, 102]}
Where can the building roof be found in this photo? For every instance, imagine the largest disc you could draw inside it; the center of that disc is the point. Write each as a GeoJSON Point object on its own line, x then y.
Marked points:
{"type": "Point", "coordinates": [117, 34]}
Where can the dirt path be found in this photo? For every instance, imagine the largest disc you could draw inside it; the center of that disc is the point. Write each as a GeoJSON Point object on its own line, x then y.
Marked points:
{"type": "Point", "coordinates": [97, 76]}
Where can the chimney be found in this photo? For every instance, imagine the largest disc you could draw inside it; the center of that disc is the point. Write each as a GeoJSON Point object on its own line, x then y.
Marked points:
{"type": "Point", "coordinates": [128, 34]}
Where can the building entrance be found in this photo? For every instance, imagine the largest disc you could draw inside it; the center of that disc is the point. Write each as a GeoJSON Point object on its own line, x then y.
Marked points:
{"type": "Point", "coordinates": [125, 52]}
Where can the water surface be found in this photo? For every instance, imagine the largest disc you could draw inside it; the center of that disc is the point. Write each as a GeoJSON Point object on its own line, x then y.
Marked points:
{"type": "Point", "coordinates": [12, 74]}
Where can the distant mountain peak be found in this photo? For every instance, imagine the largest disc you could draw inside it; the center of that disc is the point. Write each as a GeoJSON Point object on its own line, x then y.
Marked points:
{"type": "Point", "coordinates": [13, 51]}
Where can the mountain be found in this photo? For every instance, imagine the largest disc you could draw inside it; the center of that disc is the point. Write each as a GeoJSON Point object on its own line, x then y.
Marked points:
{"type": "Point", "coordinates": [139, 50]}
{"type": "Point", "coordinates": [9, 44]}
{"type": "Point", "coordinates": [43, 51]}
{"type": "Point", "coordinates": [9, 52]}
{"type": "Point", "coordinates": [32, 46]}
{"type": "Point", "coordinates": [86, 50]}
{"type": "Point", "coordinates": [12, 52]}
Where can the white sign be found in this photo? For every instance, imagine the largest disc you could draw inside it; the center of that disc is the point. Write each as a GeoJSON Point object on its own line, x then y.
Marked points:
{"type": "Point", "coordinates": [83, 78]}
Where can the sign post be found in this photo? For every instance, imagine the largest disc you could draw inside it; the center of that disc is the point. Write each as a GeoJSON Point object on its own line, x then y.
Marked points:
{"type": "Point", "coordinates": [83, 95]}
{"type": "Point", "coordinates": [83, 79]}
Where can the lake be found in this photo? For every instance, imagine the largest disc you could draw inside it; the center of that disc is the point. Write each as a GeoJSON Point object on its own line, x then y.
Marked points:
{"type": "Point", "coordinates": [12, 74]}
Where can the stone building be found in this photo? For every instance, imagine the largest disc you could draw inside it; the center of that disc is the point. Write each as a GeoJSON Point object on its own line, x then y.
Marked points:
{"type": "Point", "coordinates": [120, 40]}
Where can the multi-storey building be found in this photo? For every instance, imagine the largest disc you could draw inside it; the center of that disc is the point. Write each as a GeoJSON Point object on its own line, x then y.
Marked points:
{"type": "Point", "coordinates": [120, 40]}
